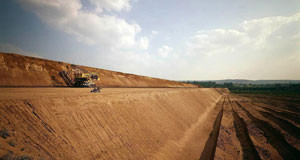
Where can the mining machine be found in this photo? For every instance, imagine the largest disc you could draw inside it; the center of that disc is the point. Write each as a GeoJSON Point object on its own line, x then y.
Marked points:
{"type": "Point", "coordinates": [77, 78]}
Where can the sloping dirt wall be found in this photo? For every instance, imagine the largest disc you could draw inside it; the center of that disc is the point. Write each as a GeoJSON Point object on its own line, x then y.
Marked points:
{"type": "Point", "coordinates": [18, 70]}
{"type": "Point", "coordinates": [116, 124]}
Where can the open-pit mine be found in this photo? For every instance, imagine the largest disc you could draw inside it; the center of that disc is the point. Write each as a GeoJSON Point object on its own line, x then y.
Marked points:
{"type": "Point", "coordinates": [45, 114]}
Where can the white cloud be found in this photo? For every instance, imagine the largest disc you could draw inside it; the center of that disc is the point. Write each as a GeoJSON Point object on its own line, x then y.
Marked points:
{"type": "Point", "coordinates": [144, 43]}
{"type": "Point", "coordinates": [250, 34]}
{"type": "Point", "coordinates": [88, 27]}
{"type": "Point", "coordinates": [154, 32]}
{"type": "Point", "coordinates": [216, 41]}
{"type": "Point", "coordinates": [109, 5]}
{"type": "Point", "coordinates": [164, 51]}
{"type": "Point", "coordinates": [260, 48]}
{"type": "Point", "coordinates": [261, 29]}
{"type": "Point", "coordinates": [266, 47]}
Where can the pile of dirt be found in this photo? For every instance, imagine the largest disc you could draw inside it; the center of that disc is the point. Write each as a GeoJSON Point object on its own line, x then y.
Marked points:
{"type": "Point", "coordinates": [71, 123]}
{"type": "Point", "coordinates": [18, 70]}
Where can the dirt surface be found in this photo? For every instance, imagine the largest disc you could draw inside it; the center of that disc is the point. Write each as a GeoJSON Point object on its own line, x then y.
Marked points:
{"type": "Point", "coordinates": [69, 123]}
{"type": "Point", "coordinates": [146, 123]}
{"type": "Point", "coordinates": [259, 127]}
{"type": "Point", "coordinates": [18, 70]}
{"type": "Point", "coordinates": [171, 120]}
{"type": "Point", "coordinates": [228, 144]}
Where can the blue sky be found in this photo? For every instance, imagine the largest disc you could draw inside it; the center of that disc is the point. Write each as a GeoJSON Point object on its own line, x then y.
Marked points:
{"type": "Point", "coordinates": [172, 39]}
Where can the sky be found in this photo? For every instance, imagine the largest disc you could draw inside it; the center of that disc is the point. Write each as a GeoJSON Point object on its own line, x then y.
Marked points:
{"type": "Point", "coordinates": [170, 39]}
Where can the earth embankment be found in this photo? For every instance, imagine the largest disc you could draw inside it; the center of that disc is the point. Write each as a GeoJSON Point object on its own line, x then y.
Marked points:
{"type": "Point", "coordinates": [23, 71]}
{"type": "Point", "coordinates": [70, 123]}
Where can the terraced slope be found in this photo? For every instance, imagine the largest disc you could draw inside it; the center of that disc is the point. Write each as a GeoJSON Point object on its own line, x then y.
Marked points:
{"type": "Point", "coordinates": [71, 123]}
{"type": "Point", "coordinates": [17, 70]}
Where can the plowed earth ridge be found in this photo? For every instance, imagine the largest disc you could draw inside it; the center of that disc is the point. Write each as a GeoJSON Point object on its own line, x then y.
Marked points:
{"type": "Point", "coordinates": [262, 131]}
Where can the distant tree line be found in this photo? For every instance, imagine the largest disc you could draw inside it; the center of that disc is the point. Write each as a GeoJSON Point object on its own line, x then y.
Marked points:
{"type": "Point", "coordinates": [273, 89]}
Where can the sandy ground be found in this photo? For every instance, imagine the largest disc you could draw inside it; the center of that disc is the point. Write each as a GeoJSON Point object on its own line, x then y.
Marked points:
{"type": "Point", "coordinates": [35, 93]}
{"type": "Point", "coordinates": [140, 123]}
{"type": "Point", "coordinates": [147, 123]}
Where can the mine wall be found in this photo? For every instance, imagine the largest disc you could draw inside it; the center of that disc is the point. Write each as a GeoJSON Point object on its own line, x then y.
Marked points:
{"type": "Point", "coordinates": [174, 124]}
{"type": "Point", "coordinates": [23, 71]}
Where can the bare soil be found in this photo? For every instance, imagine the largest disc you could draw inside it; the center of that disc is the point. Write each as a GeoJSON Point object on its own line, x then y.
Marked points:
{"type": "Point", "coordinates": [265, 127]}
{"type": "Point", "coordinates": [69, 123]}
{"type": "Point", "coordinates": [164, 120]}
{"type": "Point", "coordinates": [23, 71]}
{"type": "Point", "coordinates": [145, 123]}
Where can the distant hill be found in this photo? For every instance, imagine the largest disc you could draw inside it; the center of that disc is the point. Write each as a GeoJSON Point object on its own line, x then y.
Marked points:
{"type": "Point", "coordinates": [244, 81]}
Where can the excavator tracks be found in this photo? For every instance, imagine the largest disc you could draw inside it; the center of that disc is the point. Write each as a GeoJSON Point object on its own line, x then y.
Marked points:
{"type": "Point", "coordinates": [248, 129]}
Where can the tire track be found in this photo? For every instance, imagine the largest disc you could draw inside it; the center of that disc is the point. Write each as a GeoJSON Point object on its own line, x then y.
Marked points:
{"type": "Point", "coordinates": [228, 145]}
{"type": "Point", "coordinates": [284, 124]}
{"type": "Point", "coordinates": [283, 114]}
{"type": "Point", "coordinates": [249, 151]}
{"type": "Point", "coordinates": [210, 145]}
{"type": "Point", "coordinates": [263, 147]}
{"type": "Point", "coordinates": [274, 137]}
{"type": "Point", "coordinates": [282, 105]}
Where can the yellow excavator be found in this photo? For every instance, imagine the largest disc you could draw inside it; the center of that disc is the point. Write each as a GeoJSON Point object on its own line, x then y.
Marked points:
{"type": "Point", "coordinates": [87, 80]}
{"type": "Point", "coordinates": [81, 79]}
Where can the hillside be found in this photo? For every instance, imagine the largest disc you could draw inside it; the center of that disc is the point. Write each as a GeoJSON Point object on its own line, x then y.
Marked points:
{"type": "Point", "coordinates": [135, 123]}
{"type": "Point", "coordinates": [18, 70]}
